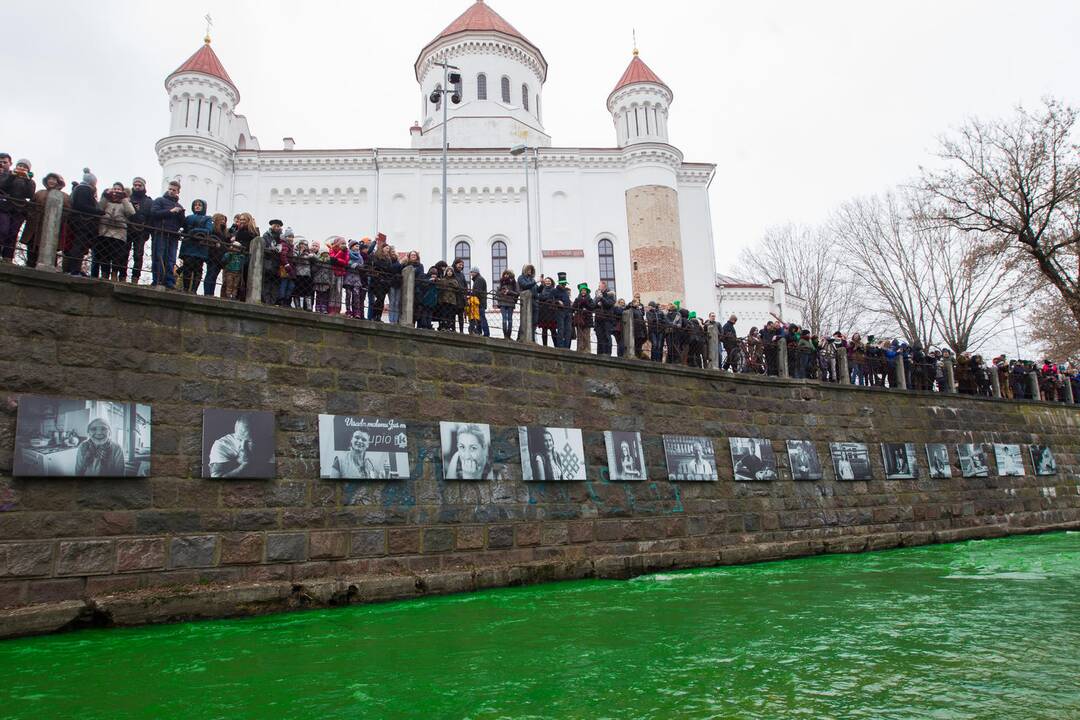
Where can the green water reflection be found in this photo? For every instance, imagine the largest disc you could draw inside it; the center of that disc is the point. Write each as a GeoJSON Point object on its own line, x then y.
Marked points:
{"type": "Point", "coordinates": [974, 630]}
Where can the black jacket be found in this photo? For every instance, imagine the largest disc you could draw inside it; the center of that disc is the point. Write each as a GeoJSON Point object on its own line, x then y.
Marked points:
{"type": "Point", "coordinates": [480, 290]}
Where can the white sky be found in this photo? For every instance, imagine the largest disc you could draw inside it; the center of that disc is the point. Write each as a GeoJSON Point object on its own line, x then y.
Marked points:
{"type": "Point", "coordinates": [802, 105]}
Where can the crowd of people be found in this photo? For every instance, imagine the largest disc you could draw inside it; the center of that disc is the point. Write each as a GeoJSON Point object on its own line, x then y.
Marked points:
{"type": "Point", "coordinates": [192, 250]}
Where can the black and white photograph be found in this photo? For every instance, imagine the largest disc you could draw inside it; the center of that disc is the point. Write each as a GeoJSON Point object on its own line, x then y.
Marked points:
{"type": "Point", "coordinates": [899, 461]}
{"type": "Point", "coordinates": [60, 437]}
{"type": "Point", "coordinates": [973, 462]}
{"type": "Point", "coordinates": [803, 460]}
{"type": "Point", "coordinates": [689, 457]}
{"type": "Point", "coordinates": [362, 448]}
{"type": "Point", "coordinates": [625, 455]}
{"type": "Point", "coordinates": [238, 444]}
{"type": "Point", "coordinates": [550, 453]}
{"type": "Point", "coordinates": [851, 461]}
{"type": "Point", "coordinates": [1009, 459]}
{"type": "Point", "coordinates": [1042, 459]}
{"type": "Point", "coordinates": [937, 459]}
{"type": "Point", "coordinates": [753, 459]}
{"type": "Point", "coordinates": [466, 451]}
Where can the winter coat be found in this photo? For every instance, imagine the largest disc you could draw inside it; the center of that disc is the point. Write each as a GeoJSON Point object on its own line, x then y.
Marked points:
{"type": "Point", "coordinates": [604, 306]}
{"type": "Point", "coordinates": [198, 227]}
{"type": "Point", "coordinates": [382, 271]}
{"type": "Point", "coordinates": [19, 187]}
{"type": "Point", "coordinates": [271, 258]}
{"type": "Point", "coordinates": [506, 295]}
{"type": "Point", "coordinates": [161, 215]}
{"type": "Point", "coordinates": [34, 218]}
{"type": "Point", "coordinates": [560, 295]}
{"type": "Point", "coordinates": [286, 269]}
{"type": "Point", "coordinates": [547, 307]}
{"type": "Point", "coordinates": [728, 336]}
{"type": "Point", "coordinates": [113, 223]}
{"type": "Point", "coordinates": [480, 290]}
{"type": "Point", "coordinates": [136, 226]}
{"type": "Point", "coordinates": [427, 292]}
{"type": "Point", "coordinates": [321, 271]}
{"type": "Point", "coordinates": [449, 291]}
{"type": "Point", "coordinates": [339, 261]}
{"type": "Point", "coordinates": [583, 311]}
{"type": "Point", "coordinates": [354, 278]}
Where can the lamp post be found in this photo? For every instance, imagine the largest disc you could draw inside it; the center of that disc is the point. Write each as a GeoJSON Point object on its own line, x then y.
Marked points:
{"type": "Point", "coordinates": [1011, 312]}
{"type": "Point", "coordinates": [522, 150]}
{"type": "Point", "coordinates": [439, 95]}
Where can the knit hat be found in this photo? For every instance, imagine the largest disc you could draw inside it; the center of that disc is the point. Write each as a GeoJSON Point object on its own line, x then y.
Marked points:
{"type": "Point", "coordinates": [288, 232]}
{"type": "Point", "coordinates": [88, 177]}
{"type": "Point", "coordinates": [23, 161]}
{"type": "Point", "coordinates": [138, 179]}
{"type": "Point", "coordinates": [474, 269]}
{"type": "Point", "coordinates": [562, 279]}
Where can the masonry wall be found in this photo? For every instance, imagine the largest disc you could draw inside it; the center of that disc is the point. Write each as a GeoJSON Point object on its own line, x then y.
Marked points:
{"type": "Point", "coordinates": [655, 234]}
{"type": "Point", "coordinates": [123, 550]}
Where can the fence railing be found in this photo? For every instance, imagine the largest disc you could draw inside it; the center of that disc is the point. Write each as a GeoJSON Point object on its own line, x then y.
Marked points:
{"type": "Point", "coordinates": [333, 281]}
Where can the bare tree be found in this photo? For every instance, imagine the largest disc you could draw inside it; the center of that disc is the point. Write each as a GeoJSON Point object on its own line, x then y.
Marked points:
{"type": "Point", "coordinates": [1014, 184]}
{"type": "Point", "coordinates": [891, 263]}
{"type": "Point", "coordinates": [804, 259]}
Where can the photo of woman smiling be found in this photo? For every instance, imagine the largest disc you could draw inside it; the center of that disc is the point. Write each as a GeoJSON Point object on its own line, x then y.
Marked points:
{"type": "Point", "coordinates": [466, 451]}
{"type": "Point", "coordinates": [362, 448]}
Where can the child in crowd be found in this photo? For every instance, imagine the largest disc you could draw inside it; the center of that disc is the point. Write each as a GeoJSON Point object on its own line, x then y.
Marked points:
{"type": "Point", "coordinates": [322, 276]}
{"type": "Point", "coordinates": [472, 312]}
{"type": "Point", "coordinates": [353, 283]}
{"type": "Point", "coordinates": [302, 295]}
{"type": "Point", "coordinates": [233, 263]}
{"type": "Point", "coordinates": [286, 268]}
{"type": "Point", "coordinates": [339, 262]}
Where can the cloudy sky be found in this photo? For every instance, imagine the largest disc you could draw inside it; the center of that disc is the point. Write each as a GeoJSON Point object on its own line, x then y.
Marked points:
{"type": "Point", "coordinates": [801, 105]}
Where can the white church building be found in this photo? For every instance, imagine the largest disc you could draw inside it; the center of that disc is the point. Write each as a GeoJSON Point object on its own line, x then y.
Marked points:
{"type": "Point", "coordinates": [635, 214]}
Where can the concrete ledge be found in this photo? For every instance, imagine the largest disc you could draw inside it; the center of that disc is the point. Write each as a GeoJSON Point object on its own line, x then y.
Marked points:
{"type": "Point", "coordinates": [215, 601]}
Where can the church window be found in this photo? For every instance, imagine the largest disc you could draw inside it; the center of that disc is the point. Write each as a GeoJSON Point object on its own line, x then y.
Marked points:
{"type": "Point", "coordinates": [647, 121]}
{"type": "Point", "coordinates": [498, 260]}
{"type": "Point", "coordinates": [438, 102]}
{"type": "Point", "coordinates": [626, 121]}
{"type": "Point", "coordinates": [525, 97]}
{"type": "Point", "coordinates": [505, 89]}
{"type": "Point", "coordinates": [198, 115]}
{"type": "Point", "coordinates": [187, 113]}
{"type": "Point", "coordinates": [606, 251]}
{"type": "Point", "coordinates": [656, 121]}
{"type": "Point", "coordinates": [210, 116]}
{"type": "Point", "coordinates": [637, 123]}
{"type": "Point", "coordinates": [481, 87]}
{"type": "Point", "coordinates": [462, 251]}
{"type": "Point", "coordinates": [458, 88]}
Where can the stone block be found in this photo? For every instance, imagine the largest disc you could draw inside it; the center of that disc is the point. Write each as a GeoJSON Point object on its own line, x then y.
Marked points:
{"type": "Point", "coordinates": [438, 540]}
{"type": "Point", "coordinates": [328, 545]}
{"type": "Point", "coordinates": [193, 551]}
{"type": "Point", "coordinates": [580, 531]}
{"type": "Point", "coordinates": [527, 535]}
{"type": "Point", "coordinates": [140, 554]}
{"type": "Point", "coordinates": [86, 557]}
{"type": "Point", "coordinates": [242, 548]}
{"type": "Point", "coordinates": [554, 534]}
{"type": "Point", "coordinates": [470, 537]}
{"type": "Point", "coordinates": [286, 547]}
{"type": "Point", "coordinates": [28, 559]}
{"type": "Point", "coordinates": [403, 541]}
{"type": "Point", "coordinates": [500, 536]}
{"type": "Point", "coordinates": [58, 590]}
{"type": "Point", "coordinates": [368, 543]}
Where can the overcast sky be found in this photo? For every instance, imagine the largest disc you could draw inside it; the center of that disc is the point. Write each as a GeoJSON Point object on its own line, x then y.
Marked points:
{"type": "Point", "coordinates": [801, 105]}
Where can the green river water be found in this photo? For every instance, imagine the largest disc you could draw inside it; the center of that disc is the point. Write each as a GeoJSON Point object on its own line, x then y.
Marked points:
{"type": "Point", "coordinates": [987, 629]}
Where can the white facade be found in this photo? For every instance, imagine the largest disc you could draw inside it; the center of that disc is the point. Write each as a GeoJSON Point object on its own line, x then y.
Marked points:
{"type": "Point", "coordinates": [756, 304]}
{"type": "Point", "coordinates": [576, 196]}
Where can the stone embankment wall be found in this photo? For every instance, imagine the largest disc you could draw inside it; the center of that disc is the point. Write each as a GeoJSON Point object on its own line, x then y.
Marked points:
{"type": "Point", "coordinates": [174, 545]}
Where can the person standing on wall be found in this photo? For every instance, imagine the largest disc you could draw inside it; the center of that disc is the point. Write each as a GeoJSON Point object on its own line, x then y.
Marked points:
{"type": "Point", "coordinates": [729, 337]}
{"type": "Point", "coordinates": [271, 241]}
{"type": "Point", "coordinates": [138, 231]}
{"type": "Point", "coordinates": [167, 215]}
{"type": "Point", "coordinates": [560, 297]}
{"type": "Point", "coordinates": [16, 190]}
{"type": "Point", "coordinates": [480, 292]}
{"type": "Point", "coordinates": [604, 321]}
{"type": "Point", "coordinates": [83, 222]}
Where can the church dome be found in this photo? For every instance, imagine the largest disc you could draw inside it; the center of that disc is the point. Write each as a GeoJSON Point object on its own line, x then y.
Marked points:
{"type": "Point", "coordinates": [480, 19]}
{"type": "Point", "coordinates": [638, 72]}
{"type": "Point", "coordinates": [204, 62]}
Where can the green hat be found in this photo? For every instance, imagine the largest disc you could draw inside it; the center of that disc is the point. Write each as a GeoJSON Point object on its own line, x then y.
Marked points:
{"type": "Point", "coordinates": [583, 286]}
{"type": "Point", "coordinates": [869, 338]}
{"type": "Point", "coordinates": [677, 303]}
{"type": "Point", "coordinates": [693, 314]}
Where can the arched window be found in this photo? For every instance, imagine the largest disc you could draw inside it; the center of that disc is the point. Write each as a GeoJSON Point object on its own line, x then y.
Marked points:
{"type": "Point", "coordinates": [438, 102]}
{"type": "Point", "coordinates": [606, 251]}
{"type": "Point", "coordinates": [498, 261]}
{"type": "Point", "coordinates": [506, 90]}
{"type": "Point", "coordinates": [481, 87]}
{"type": "Point", "coordinates": [525, 97]}
{"type": "Point", "coordinates": [462, 251]}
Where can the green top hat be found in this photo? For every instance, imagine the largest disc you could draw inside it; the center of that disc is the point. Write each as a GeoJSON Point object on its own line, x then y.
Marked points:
{"type": "Point", "coordinates": [693, 314]}
{"type": "Point", "coordinates": [677, 303]}
{"type": "Point", "coordinates": [583, 286]}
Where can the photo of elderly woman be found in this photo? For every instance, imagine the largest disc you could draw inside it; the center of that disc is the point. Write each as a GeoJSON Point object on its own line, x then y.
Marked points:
{"type": "Point", "coordinates": [361, 448]}
{"type": "Point", "coordinates": [689, 457]}
{"type": "Point", "coordinates": [625, 455]}
{"type": "Point", "coordinates": [238, 444]}
{"type": "Point", "coordinates": [466, 451]}
{"type": "Point", "coordinates": [549, 453]}
{"type": "Point", "coordinates": [1042, 460]}
{"type": "Point", "coordinates": [57, 437]}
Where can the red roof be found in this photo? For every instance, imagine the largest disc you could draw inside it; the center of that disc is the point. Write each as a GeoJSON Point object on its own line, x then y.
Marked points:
{"type": "Point", "coordinates": [481, 18]}
{"type": "Point", "coordinates": [638, 72]}
{"type": "Point", "coordinates": [205, 61]}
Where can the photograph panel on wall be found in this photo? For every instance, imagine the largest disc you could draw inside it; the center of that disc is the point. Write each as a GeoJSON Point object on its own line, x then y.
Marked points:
{"type": "Point", "coordinates": [1042, 459]}
{"type": "Point", "coordinates": [466, 451]}
{"type": "Point", "coordinates": [689, 457]}
{"type": "Point", "coordinates": [362, 448]}
{"type": "Point", "coordinates": [937, 459]}
{"type": "Point", "coordinates": [899, 460]}
{"type": "Point", "coordinates": [625, 455]}
{"type": "Point", "coordinates": [753, 459]}
{"type": "Point", "coordinates": [1009, 459]}
{"type": "Point", "coordinates": [851, 460]}
{"type": "Point", "coordinates": [238, 444]}
{"type": "Point", "coordinates": [803, 460]}
{"type": "Point", "coordinates": [551, 453]}
{"type": "Point", "coordinates": [64, 437]}
{"type": "Point", "coordinates": [973, 461]}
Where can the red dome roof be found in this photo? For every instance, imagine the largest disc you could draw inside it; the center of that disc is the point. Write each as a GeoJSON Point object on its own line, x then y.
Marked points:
{"type": "Point", "coordinates": [205, 61]}
{"type": "Point", "coordinates": [481, 18]}
{"type": "Point", "coordinates": [638, 72]}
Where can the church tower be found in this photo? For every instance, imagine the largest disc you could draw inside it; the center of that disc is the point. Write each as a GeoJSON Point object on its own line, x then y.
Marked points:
{"type": "Point", "coordinates": [204, 130]}
{"type": "Point", "coordinates": [639, 108]}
